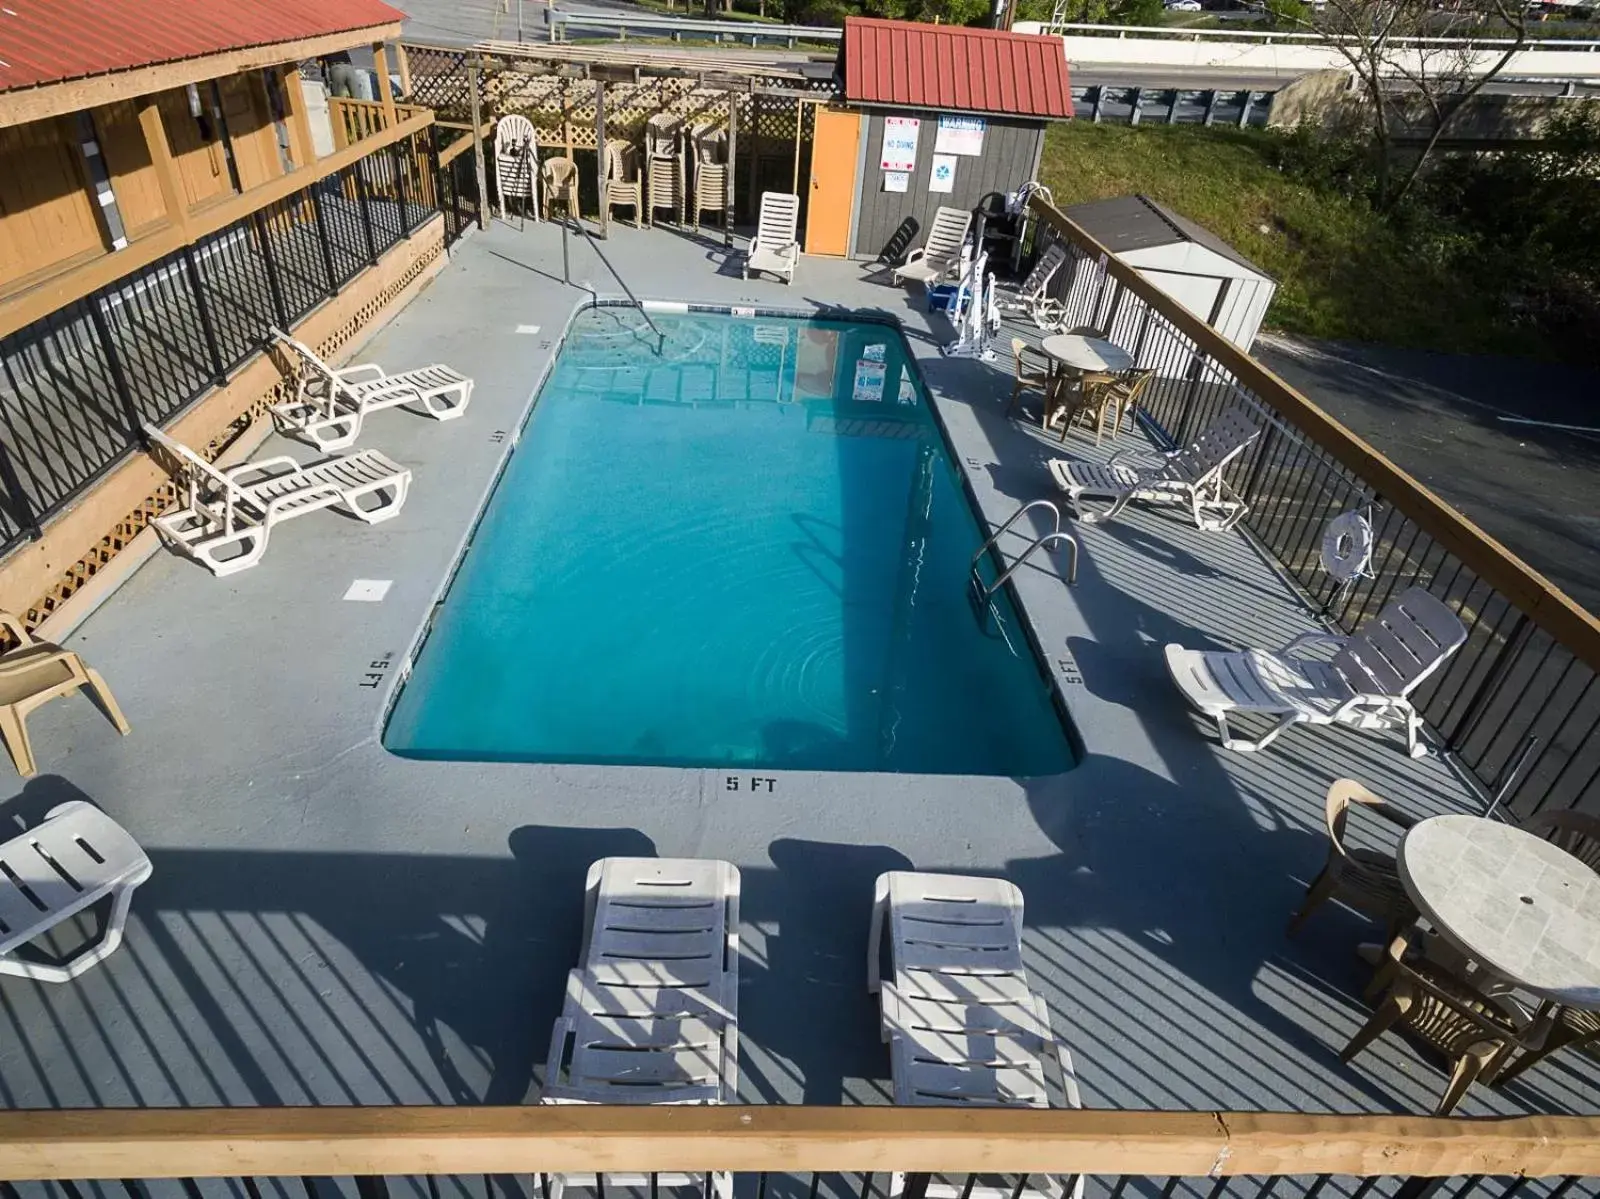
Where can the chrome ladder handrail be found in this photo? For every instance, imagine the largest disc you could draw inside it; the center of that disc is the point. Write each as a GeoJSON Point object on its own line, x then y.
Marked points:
{"type": "Point", "coordinates": [982, 591]}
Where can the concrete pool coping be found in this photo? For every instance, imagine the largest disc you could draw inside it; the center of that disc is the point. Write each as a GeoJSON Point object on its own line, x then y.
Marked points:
{"type": "Point", "coordinates": [328, 923]}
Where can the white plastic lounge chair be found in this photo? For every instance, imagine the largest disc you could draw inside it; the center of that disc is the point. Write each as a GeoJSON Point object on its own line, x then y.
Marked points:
{"type": "Point", "coordinates": [775, 249]}
{"type": "Point", "coordinates": [940, 256]}
{"type": "Point", "coordinates": [963, 1026]}
{"type": "Point", "coordinates": [651, 1014]}
{"type": "Point", "coordinates": [1192, 475]}
{"type": "Point", "coordinates": [73, 859]}
{"type": "Point", "coordinates": [229, 514]}
{"type": "Point", "coordinates": [516, 163]}
{"type": "Point", "coordinates": [330, 405]}
{"type": "Point", "coordinates": [1365, 684]}
{"type": "Point", "coordinates": [1347, 545]}
{"type": "Point", "coordinates": [1034, 297]}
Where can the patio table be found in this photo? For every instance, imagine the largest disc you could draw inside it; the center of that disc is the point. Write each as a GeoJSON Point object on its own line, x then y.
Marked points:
{"type": "Point", "coordinates": [1526, 912]}
{"type": "Point", "coordinates": [1073, 355]}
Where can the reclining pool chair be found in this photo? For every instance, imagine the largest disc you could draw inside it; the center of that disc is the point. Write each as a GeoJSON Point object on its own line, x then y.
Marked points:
{"type": "Point", "coordinates": [1191, 475]}
{"type": "Point", "coordinates": [775, 249]}
{"type": "Point", "coordinates": [1034, 297]}
{"type": "Point", "coordinates": [330, 405]}
{"type": "Point", "coordinates": [962, 1024]}
{"type": "Point", "coordinates": [228, 515]}
{"type": "Point", "coordinates": [1365, 684]}
{"type": "Point", "coordinates": [651, 1014]}
{"type": "Point", "coordinates": [940, 256]}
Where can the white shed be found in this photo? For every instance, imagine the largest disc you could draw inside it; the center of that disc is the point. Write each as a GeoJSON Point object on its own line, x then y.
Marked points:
{"type": "Point", "coordinates": [1192, 265]}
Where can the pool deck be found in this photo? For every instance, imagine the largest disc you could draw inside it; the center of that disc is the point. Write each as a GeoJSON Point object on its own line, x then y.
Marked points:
{"type": "Point", "coordinates": [328, 923]}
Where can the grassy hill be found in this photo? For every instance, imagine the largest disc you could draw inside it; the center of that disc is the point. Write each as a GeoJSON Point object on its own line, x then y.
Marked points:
{"type": "Point", "coordinates": [1342, 271]}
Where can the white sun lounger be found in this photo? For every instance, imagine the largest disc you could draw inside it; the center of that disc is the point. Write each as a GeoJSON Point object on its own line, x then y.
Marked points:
{"type": "Point", "coordinates": [1034, 297]}
{"type": "Point", "coordinates": [1365, 684]}
{"type": "Point", "coordinates": [775, 249]}
{"type": "Point", "coordinates": [940, 256]}
{"type": "Point", "coordinates": [74, 858]}
{"type": "Point", "coordinates": [1190, 475]}
{"type": "Point", "coordinates": [651, 1014]}
{"type": "Point", "coordinates": [963, 1026]}
{"type": "Point", "coordinates": [330, 405]}
{"type": "Point", "coordinates": [229, 514]}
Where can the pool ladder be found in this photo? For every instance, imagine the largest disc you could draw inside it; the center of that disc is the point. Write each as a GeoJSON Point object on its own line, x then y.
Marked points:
{"type": "Point", "coordinates": [981, 591]}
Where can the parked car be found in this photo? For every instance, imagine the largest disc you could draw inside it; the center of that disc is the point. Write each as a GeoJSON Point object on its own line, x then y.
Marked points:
{"type": "Point", "coordinates": [1183, 5]}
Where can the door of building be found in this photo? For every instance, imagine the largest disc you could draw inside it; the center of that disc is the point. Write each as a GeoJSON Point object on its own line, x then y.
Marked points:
{"type": "Point", "coordinates": [834, 150]}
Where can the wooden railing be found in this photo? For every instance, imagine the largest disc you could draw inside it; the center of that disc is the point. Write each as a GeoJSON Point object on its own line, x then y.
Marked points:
{"type": "Point", "coordinates": [1527, 676]}
{"type": "Point", "coordinates": [357, 120]}
{"type": "Point", "coordinates": [365, 1142]}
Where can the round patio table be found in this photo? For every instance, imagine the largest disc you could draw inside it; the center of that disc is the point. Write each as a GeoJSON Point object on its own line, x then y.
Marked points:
{"type": "Point", "coordinates": [1080, 353]}
{"type": "Point", "coordinates": [1525, 911]}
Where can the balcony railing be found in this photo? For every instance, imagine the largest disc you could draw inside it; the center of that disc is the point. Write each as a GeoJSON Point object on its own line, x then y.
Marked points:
{"type": "Point", "coordinates": [812, 1151]}
{"type": "Point", "coordinates": [357, 120]}
{"type": "Point", "coordinates": [78, 381]}
{"type": "Point", "coordinates": [1523, 686]}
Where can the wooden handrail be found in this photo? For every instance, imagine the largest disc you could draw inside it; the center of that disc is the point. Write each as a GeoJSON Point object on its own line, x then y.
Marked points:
{"type": "Point", "coordinates": [57, 292]}
{"type": "Point", "coordinates": [232, 1142]}
{"type": "Point", "coordinates": [462, 144]}
{"type": "Point", "coordinates": [1549, 607]}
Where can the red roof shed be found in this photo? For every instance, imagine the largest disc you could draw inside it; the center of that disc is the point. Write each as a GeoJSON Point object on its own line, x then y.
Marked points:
{"type": "Point", "coordinates": [954, 69]}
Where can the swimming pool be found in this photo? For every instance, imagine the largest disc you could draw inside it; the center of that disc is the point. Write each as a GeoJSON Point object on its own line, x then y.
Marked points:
{"type": "Point", "coordinates": [750, 550]}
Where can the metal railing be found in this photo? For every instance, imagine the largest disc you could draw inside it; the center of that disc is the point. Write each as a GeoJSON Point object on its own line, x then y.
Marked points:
{"type": "Point", "coordinates": [788, 1151]}
{"type": "Point", "coordinates": [619, 24]}
{"type": "Point", "coordinates": [1527, 672]}
{"type": "Point", "coordinates": [77, 385]}
{"type": "Point", "coordinates": [1302, 38]}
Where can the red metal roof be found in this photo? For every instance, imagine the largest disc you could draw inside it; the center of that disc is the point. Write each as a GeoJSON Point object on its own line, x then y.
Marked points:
{"type": "Point", "coordinates": [45, 41]}
{"type": "Point", "coordinates": [950, 67]}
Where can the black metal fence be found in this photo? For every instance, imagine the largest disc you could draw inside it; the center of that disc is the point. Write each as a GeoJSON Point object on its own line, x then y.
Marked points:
{"type": "Point", "coordinates": [76, 386]}
{"type": "Point", "coordinates": [1513, 695]}
{"type": "Point", "coordinates": [843, 1186]}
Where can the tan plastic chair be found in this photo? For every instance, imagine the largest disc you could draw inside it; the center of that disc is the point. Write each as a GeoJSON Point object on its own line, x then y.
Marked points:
{"type": "Point", "coordinates": [1474, 1032]}
{"type": "Point", "coordinates": [1366, 879]}
{"type": "Point", "coordinates": [33, 674]}
{"type": "Point", "coordinates": [559, 181]}
{"type": "Point", "coordinates": [1039, 379]}
{"type": "Point", "coordinates": [1116, 397]}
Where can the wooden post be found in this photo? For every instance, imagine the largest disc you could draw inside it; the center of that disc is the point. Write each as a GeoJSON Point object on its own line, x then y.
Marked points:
{"type": "Point", "coordinates": [600, 153]}
{"type": "Point", "coordinates": [294, 98]}
{"type": "Point", "coordinates": [799, 131]}
{"type": "Point", "coordinates": [728, 186]}
{"type": "Point", "coordinates": [155, 140]}
{"type": "Point", "coordinates": [380, 58]}
{"type": "Point", "coordinates": [403, 61]}
{"type": "Point", "coordinates": [474, 73]}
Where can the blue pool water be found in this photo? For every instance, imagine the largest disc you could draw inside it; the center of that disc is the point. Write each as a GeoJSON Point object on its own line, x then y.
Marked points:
{"type": "Point", "coordinates": [749, 551]}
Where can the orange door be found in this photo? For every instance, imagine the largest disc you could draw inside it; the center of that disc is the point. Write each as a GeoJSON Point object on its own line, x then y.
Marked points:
{"type": "Point", "coordinates": [834, 150]}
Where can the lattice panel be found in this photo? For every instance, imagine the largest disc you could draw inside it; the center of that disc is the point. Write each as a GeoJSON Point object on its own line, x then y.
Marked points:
{"type": "Point", "coordinates": [135, 522]}
{"type": "Point", "coordinates": [439, 79]}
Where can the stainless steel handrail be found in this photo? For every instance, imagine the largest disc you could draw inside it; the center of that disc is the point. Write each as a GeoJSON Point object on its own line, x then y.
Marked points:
{"type": "Point", "coordinates": [1011, 520]}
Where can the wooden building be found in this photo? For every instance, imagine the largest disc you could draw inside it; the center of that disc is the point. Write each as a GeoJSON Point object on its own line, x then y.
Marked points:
{"type": "Point", "coordinates": [929, 116]}
{"type": "Point", "coordinates": [119, 122]}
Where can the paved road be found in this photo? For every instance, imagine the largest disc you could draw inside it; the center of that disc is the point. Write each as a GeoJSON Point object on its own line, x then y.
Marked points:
{"type": "Point", "coordinates": [1443, 417]}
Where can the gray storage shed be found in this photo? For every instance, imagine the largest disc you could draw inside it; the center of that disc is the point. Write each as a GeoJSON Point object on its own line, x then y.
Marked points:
{"type": "Point", "coordinates": [971, 104]}
{"type": "Point", "coordinates": [1191, 264]}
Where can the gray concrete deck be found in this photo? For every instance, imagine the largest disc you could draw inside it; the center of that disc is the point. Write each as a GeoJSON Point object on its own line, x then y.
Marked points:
{"type": "Point", "coordinates": [328, 923]}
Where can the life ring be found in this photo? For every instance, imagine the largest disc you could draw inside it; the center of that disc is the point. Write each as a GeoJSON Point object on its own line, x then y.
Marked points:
{"type": "Point", "coordinates": [1347, 546]}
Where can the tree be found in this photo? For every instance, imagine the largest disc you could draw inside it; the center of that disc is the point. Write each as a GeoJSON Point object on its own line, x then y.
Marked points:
{"type": "Point", "coordinates": [1401, 79]}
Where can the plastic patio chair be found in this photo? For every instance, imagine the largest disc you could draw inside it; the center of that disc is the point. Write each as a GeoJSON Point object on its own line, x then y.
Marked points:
{"type": "Point", "coordinates": [1474, 1032]}
{"type": "Point", "coordinates": [516, 162]}
{"type": "Point", "coordinates": [1365, 879]}
{"type": "Point", "coordinates": [940, 256]}
{"type": "Point", "coordinates": [1025, 375]}
{"type": "Point", "coordinates": [558, 178]}
{"type": "Point", "coordinates": [775, 248]}
{"type": "Point", "coordinates": [32, 674]}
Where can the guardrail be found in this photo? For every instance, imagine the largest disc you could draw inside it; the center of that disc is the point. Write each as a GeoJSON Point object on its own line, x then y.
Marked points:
{"type": "Point", "coordinates": [1528, 671]}
{"type": "Point", "coordinates": [89, 367]}
{"type": "Point", "coordinates": [1220, 1155]}
{"type": "Point", "coordinates": [1137, 104]}
{"type": "Point", "coordinates": [676, 29]}
{"type": "Point", "coordinates": [1299, 38]}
